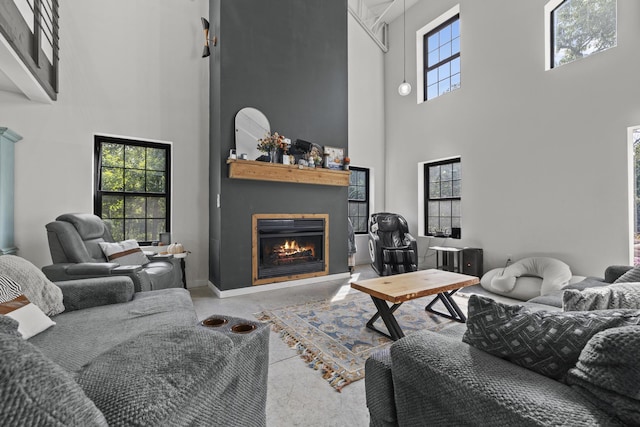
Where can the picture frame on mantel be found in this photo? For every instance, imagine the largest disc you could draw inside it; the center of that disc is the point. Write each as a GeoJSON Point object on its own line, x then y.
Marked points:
{"type": "Point", "coordinates": [334, 156]}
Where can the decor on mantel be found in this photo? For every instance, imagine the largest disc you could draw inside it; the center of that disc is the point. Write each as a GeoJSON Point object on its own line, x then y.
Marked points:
{"type": "Point", "coordinates": [8, 138]}
{"type": "Point", "coordinates": [334, 157]}
{"type": "Point", "coordinates": [331, 336]}
{"type": "Point", "coordinates": [251, 124]}
{"type": "Point", "coordinates": [405, 88]}
{"type": "Point", "coordinates": [271, 143]}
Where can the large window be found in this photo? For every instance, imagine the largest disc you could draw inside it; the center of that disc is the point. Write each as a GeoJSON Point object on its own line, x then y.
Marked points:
{"type": "Point", "coordinates": [442, 59]}
{"type": "Point", "coordinates": [132, 187]}
{"type": "Point", "coordinates": [359, 199]}
{"type": "Point", "coordinates": [442, 188]}
{"type": "Point", "coordinates": [438, 56]}
{"type": "Point", "coordinates": [579, 28]}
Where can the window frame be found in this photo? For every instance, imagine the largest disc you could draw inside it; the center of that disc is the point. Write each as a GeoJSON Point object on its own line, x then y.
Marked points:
{"type": "Point", "coordinates": [98, 193]}
{"type": "Point", "coordinates": [425, 46]}
{"type": "Point", "coordinates": [549, 10]}
{"type": "Point", "coordinates": [420, 49]}
{"type": "Point", "coordinates": [427, 197]}
{"type": "Point", "coordinates": [367, 200]}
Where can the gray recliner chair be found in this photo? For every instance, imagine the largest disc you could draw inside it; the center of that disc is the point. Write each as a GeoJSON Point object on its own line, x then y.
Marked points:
{"type": "Point", "coordinates": [76, 254]}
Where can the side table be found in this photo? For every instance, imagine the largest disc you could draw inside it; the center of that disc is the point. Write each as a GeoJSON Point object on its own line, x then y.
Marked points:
{"type": "Point", "coordinates": [448, 258]}
{"type": "Point", "coordinates": [182, 257]}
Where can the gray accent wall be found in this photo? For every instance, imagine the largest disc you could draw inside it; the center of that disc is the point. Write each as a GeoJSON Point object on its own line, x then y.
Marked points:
{"type": "Point", "coordinates": [287, 58]}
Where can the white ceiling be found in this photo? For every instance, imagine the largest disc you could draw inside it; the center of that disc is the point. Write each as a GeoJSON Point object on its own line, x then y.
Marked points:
{"type": "Point", "coordinates": [386, 11]}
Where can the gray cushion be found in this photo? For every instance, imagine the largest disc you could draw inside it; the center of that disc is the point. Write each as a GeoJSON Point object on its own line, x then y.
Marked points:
{"type": "Point", "coordinates": [89, 226]}
{"type": "Point", "coordinates": [152, 379]}
{"type": "Point", "coordinates": [555, 298]}
{"type": "Point", "coordinates": [546, 342]}
{"type": "Point", "coordinates": [378, 384]}
{"type": "Point", "coordinates": [97, 329]}
{"type": "Point", "coordinates": [94, 292]}
{"type": "Point", "coordinates": [35, 391]}
{"type": "Point", "coordinates": [632, 275]}
{"type": "Point", "coordinates": [607, 372]}
{"type": "Point", "coordinates": [620, 295]}
{"type": "Point", "coordinates": [35, 285]}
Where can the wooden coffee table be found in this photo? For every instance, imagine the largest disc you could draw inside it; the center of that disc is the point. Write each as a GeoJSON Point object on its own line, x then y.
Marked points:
{"type": "Point", "coordinates": [399, 288]}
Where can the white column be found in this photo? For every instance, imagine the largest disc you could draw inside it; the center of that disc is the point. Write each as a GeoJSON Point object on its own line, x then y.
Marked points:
{"type": "Point", "coordinates": [7, 155]}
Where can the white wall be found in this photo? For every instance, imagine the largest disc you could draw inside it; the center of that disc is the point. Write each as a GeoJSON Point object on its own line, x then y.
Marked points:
{"type": "Point", "coordinates": [126, 68]}
{"type": "Point", "coordinates": [366, 118]}
{"type": "Point", "coordinates": [544, 153]}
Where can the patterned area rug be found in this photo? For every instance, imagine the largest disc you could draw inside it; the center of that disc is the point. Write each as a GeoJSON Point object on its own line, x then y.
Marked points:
{"type": "Point", "coordinates": [331, 336]}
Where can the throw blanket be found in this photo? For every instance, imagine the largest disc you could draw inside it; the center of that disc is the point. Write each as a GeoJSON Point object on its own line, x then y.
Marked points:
{"type": "Point", "coordinates": [620, 295]}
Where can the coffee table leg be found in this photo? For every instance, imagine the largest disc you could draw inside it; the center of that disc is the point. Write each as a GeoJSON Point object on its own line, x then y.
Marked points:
{"type": "Point", "coordinates": [386, 313]}
{"type": "Point", "coordinates": [455, 313]}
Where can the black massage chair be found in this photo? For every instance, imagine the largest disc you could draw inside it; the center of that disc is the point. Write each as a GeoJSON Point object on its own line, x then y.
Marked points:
{"type": "Point", "coordinates": [392, 249]}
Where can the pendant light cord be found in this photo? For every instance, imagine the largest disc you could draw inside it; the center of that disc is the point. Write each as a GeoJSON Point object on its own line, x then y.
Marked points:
{"type": "Point", "coordinates": [404, 40]}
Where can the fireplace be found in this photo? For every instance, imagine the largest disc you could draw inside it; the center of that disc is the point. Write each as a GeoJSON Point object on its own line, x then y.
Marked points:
{"type": "Point", "coordinates": [289, 246]}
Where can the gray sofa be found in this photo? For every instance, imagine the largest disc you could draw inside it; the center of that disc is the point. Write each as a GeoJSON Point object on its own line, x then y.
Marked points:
{"type": "Point", "coordinates": [435, 379]}
{"type": "Point", "coordinates": [74, 245]}
{"type": "Point", "coordinates": [116, 357]}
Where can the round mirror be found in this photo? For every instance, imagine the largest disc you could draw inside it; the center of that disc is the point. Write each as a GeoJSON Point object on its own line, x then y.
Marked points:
{"type": "Point", "coordinates": [251, 125]}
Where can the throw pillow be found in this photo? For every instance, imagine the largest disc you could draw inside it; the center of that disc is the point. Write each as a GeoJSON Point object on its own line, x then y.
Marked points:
{"type": "Point", "coordinates": [620, 295]}
{"type": "Point", "coordinates": [35, 391]}
{"type": "Point", "coordinates": [126, 252]}
{"type": "Point", "coordinates": [545, 342]}
{"type": "Point", "coordinates": [632, 275]}
{"type": "Point", "coordinates": [14, 304]}
{"type": "Point", "coordinates": [34, 284]}
{"type": "Point", "coordinates": [607, 372]}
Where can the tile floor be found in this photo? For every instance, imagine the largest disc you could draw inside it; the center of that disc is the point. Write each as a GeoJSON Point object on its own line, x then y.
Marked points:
{"type": "Point", "coordinates": [296, 395]}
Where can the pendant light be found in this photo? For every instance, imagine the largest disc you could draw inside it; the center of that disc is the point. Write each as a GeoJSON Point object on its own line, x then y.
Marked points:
{"type": "Point", "coordinates": [405, 88]}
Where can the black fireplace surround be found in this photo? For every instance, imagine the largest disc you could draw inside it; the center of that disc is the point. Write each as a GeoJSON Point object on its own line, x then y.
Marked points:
{"type": "Point", "coordinates": [290, 246]}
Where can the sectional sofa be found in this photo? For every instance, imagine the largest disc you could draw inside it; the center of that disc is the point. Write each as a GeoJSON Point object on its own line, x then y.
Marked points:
{"type": "Point", "coordinates": [117, 357]}
{"type": "Point", "coordinates": [468, 374]}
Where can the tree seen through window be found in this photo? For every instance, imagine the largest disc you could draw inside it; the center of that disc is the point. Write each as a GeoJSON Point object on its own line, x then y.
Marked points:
{"type": "Point", "coordinates": [132, 187]}
{"type": "Point", "coordinates": [581, 28]}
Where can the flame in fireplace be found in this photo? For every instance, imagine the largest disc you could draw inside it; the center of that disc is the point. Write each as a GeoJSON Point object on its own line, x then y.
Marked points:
{"type": "Point", "coordinates": [291, 248]}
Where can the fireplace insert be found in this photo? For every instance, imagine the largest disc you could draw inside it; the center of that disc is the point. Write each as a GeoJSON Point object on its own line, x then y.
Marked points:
{"type": "Point", "coordinates": [290, 246]}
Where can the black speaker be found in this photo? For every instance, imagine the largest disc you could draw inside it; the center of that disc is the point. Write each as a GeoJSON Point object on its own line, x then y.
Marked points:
{"type": "Point", "coordinates": [472, 261]}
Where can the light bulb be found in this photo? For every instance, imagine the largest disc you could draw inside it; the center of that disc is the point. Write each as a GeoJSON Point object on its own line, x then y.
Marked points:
{"type": "Point", "coordinates": [404, 89]}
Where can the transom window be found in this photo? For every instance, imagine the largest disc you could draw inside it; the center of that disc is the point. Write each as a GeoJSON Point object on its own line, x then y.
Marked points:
{"type": "Point", "coordinates": [443, 188]}
{"type": "Point", "coordinates": [442, 59]}
{"type": "Point", "coordinates": [132, 187]}
{"type": "Point", "coordinates": [579, 28]}
{"type": "Point", "coordinates": [359, 199]}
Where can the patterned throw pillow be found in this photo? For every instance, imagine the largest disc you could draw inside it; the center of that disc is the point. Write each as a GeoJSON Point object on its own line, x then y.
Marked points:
{"type": "Point", "coordinates": [620, 295]}
{"type": "Point", "coordinates": [545, 342]}
{"type": "Point", "coordinates": [14, 304]}
{"type": "Point", "coordinates": [35, 285]}
{"type": "Point", "coordinates": [126, 252]}
{"type": "Point", "coordinates": [632, 275]}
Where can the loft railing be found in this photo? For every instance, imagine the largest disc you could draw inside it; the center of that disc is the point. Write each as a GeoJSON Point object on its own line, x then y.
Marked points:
{"type": "Point", "coordinates": [30, 27]}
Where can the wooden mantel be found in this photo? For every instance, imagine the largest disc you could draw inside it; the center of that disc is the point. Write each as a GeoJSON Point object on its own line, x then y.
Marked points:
{"type": "Point", "coordinates": [263, 171]}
